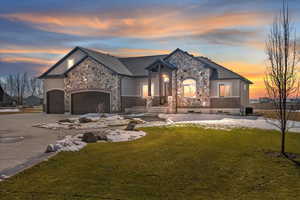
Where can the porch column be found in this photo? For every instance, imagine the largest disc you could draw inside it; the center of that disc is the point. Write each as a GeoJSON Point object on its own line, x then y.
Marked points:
{"type": "Point", "coordinates": [159, 83]}
{"type": "Point", "coordinates": [170, 84]}
{"type": "Point", "coordinates": [149, 82]}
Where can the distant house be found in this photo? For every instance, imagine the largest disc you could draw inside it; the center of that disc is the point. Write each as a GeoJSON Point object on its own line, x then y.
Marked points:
{"type": "Point", "coordinates": [87, 81]}
{"type": "Point", "coordinates": [5, 99]}
{"type": "Point", "coordinates": [264, 100]}
{"type": "Point", "coordinates": [32, 101]}
{"type": "Point", "coordinates": [1, 94]}
{"type": "Point", "coordinates": [254, 101]}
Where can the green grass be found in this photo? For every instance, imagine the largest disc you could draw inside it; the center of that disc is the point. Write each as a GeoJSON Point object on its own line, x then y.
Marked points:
{"type": "Point", "coordinates": [169, 163]}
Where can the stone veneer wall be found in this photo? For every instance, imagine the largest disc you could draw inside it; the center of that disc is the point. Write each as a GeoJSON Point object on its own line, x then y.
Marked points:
{"type": "Point", "coordinates": [189, 67]}
{"type": "Point", "coordinates": [90, 75]}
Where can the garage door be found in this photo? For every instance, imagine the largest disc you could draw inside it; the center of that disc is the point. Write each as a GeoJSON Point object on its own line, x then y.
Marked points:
{"type": "Point", "coordinates": [55, 102]}
{"type": "Point", "coordinates": [90, 102]}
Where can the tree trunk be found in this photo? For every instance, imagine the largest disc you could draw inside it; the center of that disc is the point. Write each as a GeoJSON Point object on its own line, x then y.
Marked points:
{"type": "Point", "coordinates": [283, 142]}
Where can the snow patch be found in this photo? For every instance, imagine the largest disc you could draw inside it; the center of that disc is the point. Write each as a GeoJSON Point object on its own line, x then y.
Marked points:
{"type": "Point", "coordinates": [10, 110]}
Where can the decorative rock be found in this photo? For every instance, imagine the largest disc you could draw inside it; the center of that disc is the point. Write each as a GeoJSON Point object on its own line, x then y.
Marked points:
{"type": "Point", "coordinates": [138, 121]}
{"type": "Point", "coordinates": [102, 135]}
{"type": "Point", "coordinates": [65, 121]}
{"type": "Point", "coordinates": [50, 148]}
{"type": "Point", "coordinates": [85, 120]}
{"type": "Point", "coordinates": [89, 137]}
{"type": "Point", "coordinates": [131, 126]}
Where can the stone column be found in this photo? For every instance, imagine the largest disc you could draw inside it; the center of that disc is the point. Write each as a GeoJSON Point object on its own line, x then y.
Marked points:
{"type": "Point", "coordinates": [159, 84]}
{"type": "Point", "coordinates": [174, 91]}
{"type": "Point", "coordinates": [149, 83]}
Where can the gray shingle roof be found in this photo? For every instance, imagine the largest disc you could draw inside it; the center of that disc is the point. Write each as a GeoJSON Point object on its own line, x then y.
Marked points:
{"type": "Point", "coordinates": [222, 72]}
{"type": "Point", "coordinates": [137, 65]}
{"type": "Point", "coordinates": [108, 60]}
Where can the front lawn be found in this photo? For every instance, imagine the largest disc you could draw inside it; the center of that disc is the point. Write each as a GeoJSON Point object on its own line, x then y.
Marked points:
{"type": "Point", "coordinates": [169, 163]}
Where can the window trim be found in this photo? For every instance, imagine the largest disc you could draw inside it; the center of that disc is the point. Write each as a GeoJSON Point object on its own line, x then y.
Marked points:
{"type": "Point", "coordinates": [224, 83]}
{"type": "Point", "coordinates": [142, 88]}
{"type": "Point", "coordinates": [195, 87]}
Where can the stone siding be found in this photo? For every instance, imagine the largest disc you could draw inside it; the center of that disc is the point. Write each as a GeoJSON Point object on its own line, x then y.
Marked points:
{"type": "Point", "coordinates": [90, 75]}
{"type": "Point", "coordinates": [190, 68]}
{"type": "Point", "coordinates": [227, 102]}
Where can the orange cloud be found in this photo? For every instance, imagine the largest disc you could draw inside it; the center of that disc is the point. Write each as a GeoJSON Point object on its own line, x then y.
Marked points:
{"type": "Point", "coordinates": [253, 72]}
{"type": "Point", "coordinates": [27, 51]}
{"type": "Point", "coordinates": [138, 52]}
{"type": "Point", "coordinates": [27, 60]}
{"type": "Point", "coordinates": [165, 24]}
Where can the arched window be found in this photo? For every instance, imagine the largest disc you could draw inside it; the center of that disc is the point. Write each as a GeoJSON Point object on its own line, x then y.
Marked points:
{"type": "Point", "coordinates": [189, 88]}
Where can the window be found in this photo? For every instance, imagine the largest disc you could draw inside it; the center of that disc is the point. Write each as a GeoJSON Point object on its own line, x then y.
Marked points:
{"type": "Point", "coordinates": [70, 63]}
{"type": "Point", "coordinates": [224, 90]}
{"type": "Point", "coordinates": [145, 90]}
{"type": "Point", "coordinates": [189, 88]}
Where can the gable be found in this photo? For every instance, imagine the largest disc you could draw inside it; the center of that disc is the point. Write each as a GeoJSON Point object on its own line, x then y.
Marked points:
{"type": "Point", "coordinates": [108, 61]}
{"type": "Point", "coordinates": [184, 61]}
{"type": "Point", "coordinates": [62, 66]}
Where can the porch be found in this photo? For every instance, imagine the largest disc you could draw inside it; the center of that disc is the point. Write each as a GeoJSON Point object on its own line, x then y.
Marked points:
{"type": "Point", "coordinates": [160, 75]}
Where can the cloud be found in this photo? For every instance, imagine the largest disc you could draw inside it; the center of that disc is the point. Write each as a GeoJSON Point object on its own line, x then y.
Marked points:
{"type": "Point", "coordinates": [24, 50]}
{"type": "Point", "coordinates": [146, 25]}
{"type": "Point", "coordinates": [231, 37]}
{"type": "Point", "coordinates": [124, 52]}
{"type": "Point", "coordinates": [252, 71]}
{"type": "Point", "coordinates": [26, 60]}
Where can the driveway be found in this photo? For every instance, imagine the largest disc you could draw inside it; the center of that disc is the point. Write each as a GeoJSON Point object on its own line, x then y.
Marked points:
{"type": "Point", "coordinates": [20, 142]}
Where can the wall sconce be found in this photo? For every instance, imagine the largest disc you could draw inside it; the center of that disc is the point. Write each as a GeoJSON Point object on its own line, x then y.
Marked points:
{"type": "Point", "coordinates": [165, 78]}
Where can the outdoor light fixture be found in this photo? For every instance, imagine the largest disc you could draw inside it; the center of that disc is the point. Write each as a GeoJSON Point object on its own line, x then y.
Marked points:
{"type": "Point", "coordinates": [165, 78]}
{"type": "Point", "coordinates": [70, 63]}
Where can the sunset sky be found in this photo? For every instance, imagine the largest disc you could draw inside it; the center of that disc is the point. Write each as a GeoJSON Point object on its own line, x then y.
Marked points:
{"type": "Point", "coordinates": [37, 33]}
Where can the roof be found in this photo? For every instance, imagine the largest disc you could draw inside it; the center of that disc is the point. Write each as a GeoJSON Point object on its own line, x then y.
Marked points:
{"type": "Point", "coordinates": [222, 72]}
{"type": "Point", "coordinates": [137, 66]}
{"type": "Point", "coordinates": [109, 61]}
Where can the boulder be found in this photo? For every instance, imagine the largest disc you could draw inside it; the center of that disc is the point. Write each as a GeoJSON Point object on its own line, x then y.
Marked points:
{"type": "Point", "coordinates": [138, 121]}
{"type": "Point", "coordinates": [89, 137]}
{"type": "Point", "coordinates": [50, 148]}
{"type": "Point", "coordinates": [64, 121]}
{"type": "Point", "coordinates": [85, 120]}
{"type": "Point", "coordinates": [131, 126]}
{"type": "Point", "coordinates": [101, 135]}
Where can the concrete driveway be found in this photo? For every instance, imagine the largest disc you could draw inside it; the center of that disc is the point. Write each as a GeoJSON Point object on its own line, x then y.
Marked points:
{"type": "Point", "coordinates": [20, 142]}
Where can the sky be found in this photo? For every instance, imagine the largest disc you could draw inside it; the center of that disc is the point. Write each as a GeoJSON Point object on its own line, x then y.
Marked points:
{"type": "Point", "coordinates": [35, 34]}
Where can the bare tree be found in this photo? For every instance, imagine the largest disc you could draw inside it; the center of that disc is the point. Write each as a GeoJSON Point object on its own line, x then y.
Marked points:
{"type": "Point", "coordinates": [281, 79]}
{"type": "Point", "coordinates": [18, 85]}
{"type": "Point", "coordinates": [32, 86]}
{"type": "Point", "coordinates": [39, 88]}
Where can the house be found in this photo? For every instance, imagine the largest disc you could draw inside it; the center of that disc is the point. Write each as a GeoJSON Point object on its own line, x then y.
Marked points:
{"type": "Point", "coordinates": [1, 94]}
{"type": "Point", "coordinates": [32, 101]}
{"type": "Point", "coordinates": [88, 81]}
{"type": "Point", "coordinates": [5, 99]}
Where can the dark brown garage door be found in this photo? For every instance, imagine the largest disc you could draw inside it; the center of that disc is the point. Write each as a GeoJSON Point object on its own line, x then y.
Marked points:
{"type": "Point", "coordinates": [90, 102]}
{"type": "Point", "coordinates": [55, 102]}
